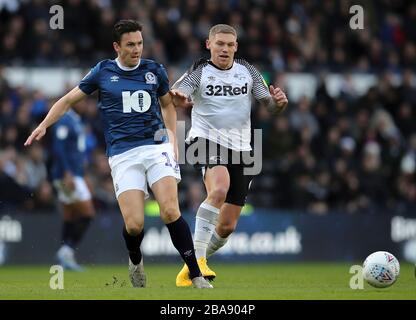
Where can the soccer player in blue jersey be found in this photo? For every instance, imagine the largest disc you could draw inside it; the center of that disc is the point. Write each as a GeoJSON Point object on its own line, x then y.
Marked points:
{"type": "Point", "coordinates": [135, 104]}
{"type": "Point", "coordinates": [68, 158]}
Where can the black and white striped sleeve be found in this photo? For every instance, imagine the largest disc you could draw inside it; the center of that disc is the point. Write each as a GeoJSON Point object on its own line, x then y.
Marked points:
{"type": "Point", "coordinates": [189, 81]}
{"type": "Point", "coordinates": [260, 89]}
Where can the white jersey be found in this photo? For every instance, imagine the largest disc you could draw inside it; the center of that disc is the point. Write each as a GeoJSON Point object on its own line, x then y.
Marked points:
{"type": "Point", "coordinates": [222, 101]}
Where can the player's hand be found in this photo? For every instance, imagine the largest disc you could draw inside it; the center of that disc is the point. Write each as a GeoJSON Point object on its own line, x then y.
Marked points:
{"type": "Point", "coordinates": [37, 134]}
{"type": "Point", "coordinates": [279, 97]}
{"type": "Point", "coordinates": [180, 99]}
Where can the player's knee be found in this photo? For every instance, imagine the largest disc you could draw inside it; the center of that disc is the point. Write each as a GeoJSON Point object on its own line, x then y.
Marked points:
{"type": "Point", "coordinates": [134, 226]}
{"type": "Point", "coordinates": [169, 214]}
{"type": "Point", "coordinates": [218, 195]}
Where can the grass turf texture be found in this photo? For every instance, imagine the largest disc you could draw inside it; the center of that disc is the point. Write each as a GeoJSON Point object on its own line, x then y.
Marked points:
{"type": "Point", "coordinates": [269, 281]}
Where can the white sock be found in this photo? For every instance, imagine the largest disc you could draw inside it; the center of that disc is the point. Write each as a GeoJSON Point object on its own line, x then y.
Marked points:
{"type": "Point", "coordinates": [215, 243]}
{"type": "Point", "coordinates": [206, 220]}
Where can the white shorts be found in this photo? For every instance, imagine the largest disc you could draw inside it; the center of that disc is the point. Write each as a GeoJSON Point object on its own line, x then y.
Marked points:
{"type": "Point", "coordinates": [80, 193]}
{"type": "Point", "coordinates": [135, 168]}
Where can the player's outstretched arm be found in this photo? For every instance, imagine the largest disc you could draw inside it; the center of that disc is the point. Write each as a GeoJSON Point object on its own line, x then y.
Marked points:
{"type": "Point", "coordinates": [180, 99]}
{"type": "Point", "coordinates": [55, 113]}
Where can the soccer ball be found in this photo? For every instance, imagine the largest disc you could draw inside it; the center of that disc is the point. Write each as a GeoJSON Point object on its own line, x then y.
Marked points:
{"type": "Point", "coordinates": [381, 269]}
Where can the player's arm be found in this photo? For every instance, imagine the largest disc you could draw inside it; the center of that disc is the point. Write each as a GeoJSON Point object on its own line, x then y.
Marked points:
{"type": "Point", "coordinates": [187, 84]}
{"type": "Point", "coordinates": [277, 102]}
{"type": "Point", "coordinates": [273, 98]}
{"type": "Point", "coordinates": [169, 117]}
{"type": "Point", "coordinates": [180, 92]}
{"type": "Point", "coordinates": [180, 99]}
{"type": "Point", "coordinates": [55, 113]}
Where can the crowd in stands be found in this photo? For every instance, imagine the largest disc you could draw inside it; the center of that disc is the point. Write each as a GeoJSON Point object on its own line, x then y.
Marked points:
{"type": "Point", "coordinates": [352, 153]}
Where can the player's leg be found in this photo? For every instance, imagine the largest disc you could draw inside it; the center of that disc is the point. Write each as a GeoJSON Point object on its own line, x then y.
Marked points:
{"type": "Point", "coordinates": [76, 220]}
{"type": "Point", "coordinates": [131, 203]}
{"type": "Point", "coordinates": [227, 222]}
{"type": "Point", "coordinates": [129, 179]}
{"type": "Point", "coordinates": [78, 210]}
{"type": "Point", "coordinates": [163, 174]}
{"type": "Point", "coordinates": [83, 213]}
{"type": "Point", "coordinates": [68, 230]}
{"type": "Point", "coordinates": [165, 191]}
{"type": "Point", "coordinates": [231, 209]}
{"type": "Point", "coordinates": [83, 208]}
{"type": "Point", "coordinates": [217, 182]}
{"type": "Point", "coordinates": [216, 179]}
{"type": "Point", "coordinates": [66, 252]}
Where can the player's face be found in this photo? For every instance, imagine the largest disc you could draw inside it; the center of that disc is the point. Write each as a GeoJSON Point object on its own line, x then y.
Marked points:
{"type": "Point", "coordinates": [223, 47]}
{"type": "Point", "coordinates": [130, 48]}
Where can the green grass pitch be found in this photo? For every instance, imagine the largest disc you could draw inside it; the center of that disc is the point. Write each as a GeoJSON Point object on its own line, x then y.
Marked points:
{"type": "Point", "coordinates": [269, 281]}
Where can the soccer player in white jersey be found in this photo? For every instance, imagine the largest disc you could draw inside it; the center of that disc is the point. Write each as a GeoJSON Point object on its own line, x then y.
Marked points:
{"type": "Point", "coordinates": [220, 91]}
{"type": "Point", "coordinates": [135, 105]}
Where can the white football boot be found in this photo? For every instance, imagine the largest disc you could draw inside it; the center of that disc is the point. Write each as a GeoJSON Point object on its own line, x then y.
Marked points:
{"type": "Point", "coordinates": [136, 274]}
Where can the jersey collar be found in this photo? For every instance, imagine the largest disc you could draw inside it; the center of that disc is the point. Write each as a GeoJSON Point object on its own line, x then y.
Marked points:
{"type": "Point", "coordinates": [212, 64]}
{"type": "Point", "coordinates": [126, 68]}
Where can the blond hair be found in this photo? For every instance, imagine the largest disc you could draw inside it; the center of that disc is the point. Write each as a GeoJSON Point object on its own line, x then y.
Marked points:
{"type": "Point", "coordinates": [221, 28]}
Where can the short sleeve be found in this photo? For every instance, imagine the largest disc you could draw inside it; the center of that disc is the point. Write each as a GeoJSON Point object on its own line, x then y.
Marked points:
{"type": "Point", "coordinates": [260, 89]}
{"type": "Point", "coordinates": [90, 82]}
{"type": "Point", "coordinates": [163, 81]}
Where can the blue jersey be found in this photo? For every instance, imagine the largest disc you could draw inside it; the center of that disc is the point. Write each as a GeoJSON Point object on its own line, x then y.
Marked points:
{"type": "Point", "coordinates": [129, 103]}
{"type": "Point", "coordinates": [68, 146]}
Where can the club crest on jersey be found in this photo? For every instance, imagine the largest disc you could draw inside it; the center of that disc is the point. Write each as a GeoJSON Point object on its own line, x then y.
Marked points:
{"type": "Point", "coordinates": [114, 78]}
{"type": "Point", "coordinates": [150, 78]}
{"type": "Point", "coordinates": [239, 76]}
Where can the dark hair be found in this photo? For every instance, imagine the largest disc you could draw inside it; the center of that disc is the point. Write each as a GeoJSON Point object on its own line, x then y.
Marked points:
{"type": "Point", "coordinates": [125, 26]}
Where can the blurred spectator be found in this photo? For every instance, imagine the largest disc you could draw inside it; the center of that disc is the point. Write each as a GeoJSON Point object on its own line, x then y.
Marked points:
{"type": "Point", "coordinates": [13, 191]}
{"type": "Point", "coordinates": [372, 179]}
{"type": "Point", "coordinates": [44, 198]}
{"type": "Point", "coordinates": [302, 116]}
{"type": "Point", "coordinates": [35, 167]}
{"type": "Point", "coordinates": [299, 35]}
